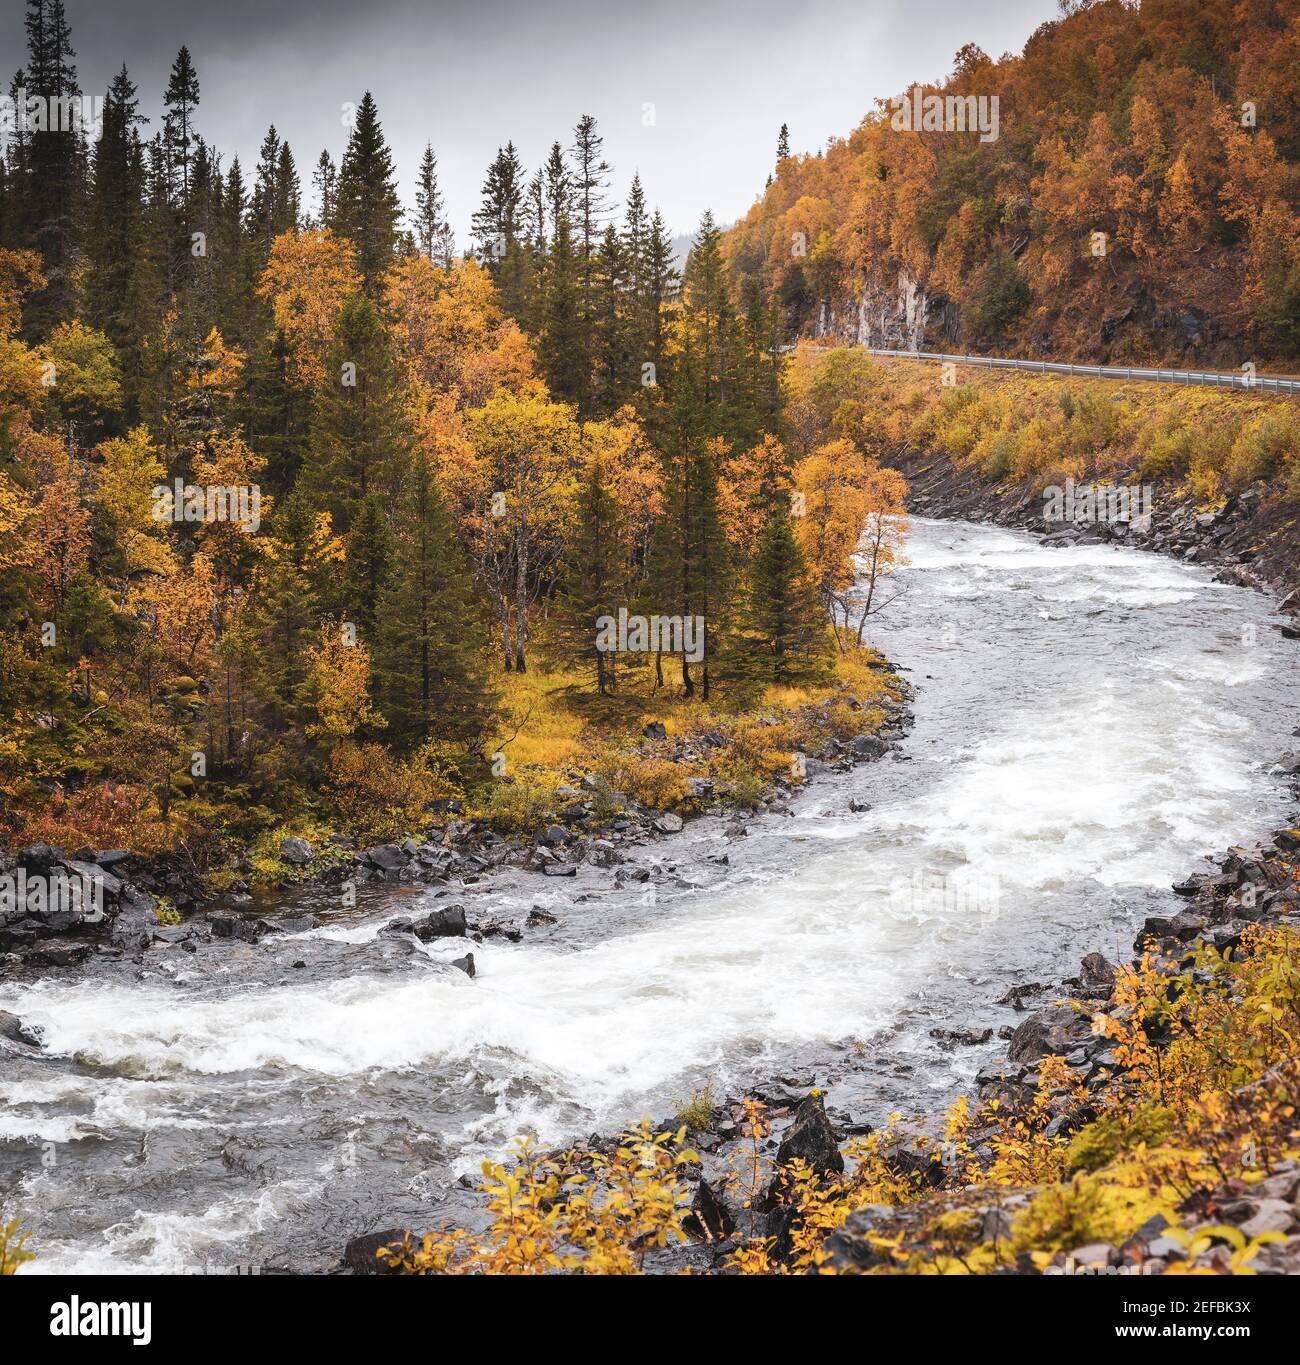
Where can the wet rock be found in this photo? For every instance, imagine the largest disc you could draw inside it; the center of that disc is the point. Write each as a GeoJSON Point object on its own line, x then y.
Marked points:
{"type": "Point", "coordinates": [553, 836]}
{"type": "Point", "coordinates": [709, 1218]}
{"type": "Point", "coordinates": [812, 1138]}
{"type": "Point", "coordinates": [466, 964]}
{"type": "Point", "coordinates": [961, 1037]}
{"type": "Point", "coordinates": [1051, 1030]}
{"type": "Point", "coordinates": [361, 1253]}
{"type": "Point", "coordinates": [386, 857]}
{"type": "Point", "coordinates": [448, 922]}
{"type": "Point", "coordinates": [297, 851]}
{"type": "Point", "coordinates": [867, 746]}
{"type": "Point", "coordinates": [669, 823]}
{"type": "Point", "coordinates": [537, 916]}
{"type": "Point", "coordinates": [58, 954]}
{"type": "Point", "coordinates": [1097, 973]}
{"type": "Point", "coordinates": [13, 1028]}
{"type": "Point", "coordinates": [224, 925]}
{"type": "Point", "coordinates": [560, 870]}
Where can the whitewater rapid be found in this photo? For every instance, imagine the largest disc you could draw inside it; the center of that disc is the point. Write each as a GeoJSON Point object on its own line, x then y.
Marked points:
{"type": "Point", "coordinates": [1089, 723]}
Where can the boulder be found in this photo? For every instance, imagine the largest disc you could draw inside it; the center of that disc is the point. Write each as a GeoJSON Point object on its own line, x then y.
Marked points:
{"type": "Point", "coordinates": [812, 1138]}
{"type": "Point", "coordinates": [386, 857]}
{"type": "Point", "coordinates": [13, 1028]}
{"type": "Point", "coordinates": [361, 1255]}
{"type": "Point", "coordinates": [225, 925]}
{"type": "Point", "coordinates": [297, 851]}
{"type": "Point", "coordinates": [655, 730]}
{"type": "Point", "coordinates": [669, 823]}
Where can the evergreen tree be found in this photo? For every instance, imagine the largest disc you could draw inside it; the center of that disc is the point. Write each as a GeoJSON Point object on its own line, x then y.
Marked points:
{"type": "Point", "coordinates": [430, 642]}
{"type": "Point", "coordinates": [589, 206]}
{"type": "Point", "coordinates": [433, 234]}
{"type": "Point", "coordinates": [559, 347]}
{"type": "Point", "coordinates": [359, 435]}
{"type": "Point", "coordinates": [180, 100]}
{"type": "Point", "coordinates": [782, 146]}
{"type": "Point", "coordinates": [787, 637]}
{"type": "Point", "coordinates": [594, 584]}
{"type": "Point", "coordinates": [367, 562]}
{"type": "Point", "coordinates": [325, 182]}
{"type": "Point", "coordinates": [50, 166]}
{"type": "Point", "coordinates": [368, 207]}
{"type": "Point", "coordinates": [499, 230]}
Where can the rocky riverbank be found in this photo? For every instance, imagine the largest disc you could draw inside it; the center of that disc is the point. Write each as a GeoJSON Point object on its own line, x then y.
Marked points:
{"type": "Point", "coordinates": [163, 901]}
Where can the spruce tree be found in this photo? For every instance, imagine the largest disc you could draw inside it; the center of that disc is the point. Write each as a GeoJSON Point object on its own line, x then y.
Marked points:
{"type": "Point", "coordinates": [594, 584]}
{"type": "Point", "coordinates": [430, 640]}
{"type": "Point", "coordinates": [433, 234]}
{"type": "Point", "coordinates": [367, 564]}
{"type": "Point", "coordinates": [359, 435]}
{"type": "Point", "coordinates": [368, 207]}
{"type": "Point", "coordinates": [787, 641]}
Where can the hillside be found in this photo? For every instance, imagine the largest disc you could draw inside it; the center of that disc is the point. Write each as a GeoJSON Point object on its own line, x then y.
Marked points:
{"type": "Point", "coordinates": [1172, 127]}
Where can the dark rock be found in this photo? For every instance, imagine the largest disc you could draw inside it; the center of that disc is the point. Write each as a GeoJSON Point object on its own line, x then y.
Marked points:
{"type": "Point", "coordinates": [361, 1253]}
{"type": "Point", "coordinates": [709, 1218]}
{"type": "Point", "coordinates": [964, 1037]}
{"type": "Point", "coordinates": [1097, 972]}
{"type": "Point", "coordinates": [449, 922]}
{"type": "Point", "coordinates": [560, 870]}
{"type": "Point", "coordinates": [867, 746]}
{"type": "Point", "coordinates": [669, 823]}
{"type": "Point", "coordinates": [112, 857]}
{"type": "Point", "coordinates": [466, 964]}
{"type": "Point", "coordinates": [224, 925]}
{"type": "Point", "coordinates": [538, 916]}
{"type": "Point", "coordinates": [553, 836]}
{"type": "Point", "coordinates": [58, 954]}
{"type": "Point", "coordinates": [812, 1138]}
{"type": "Point", "coordinates": [386, 857]}
{"type": "Point", "coordinates": [655, 730]}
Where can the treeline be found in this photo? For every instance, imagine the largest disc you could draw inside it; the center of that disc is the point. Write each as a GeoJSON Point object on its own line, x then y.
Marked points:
{"type": "Point", "coordinates": [432, 469]}
{"type": "Point", "coordinates": [1137, 202]}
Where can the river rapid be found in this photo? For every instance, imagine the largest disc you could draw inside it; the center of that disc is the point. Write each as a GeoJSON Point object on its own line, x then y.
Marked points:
{"type": "Point", "coordinates": [1090, 723]}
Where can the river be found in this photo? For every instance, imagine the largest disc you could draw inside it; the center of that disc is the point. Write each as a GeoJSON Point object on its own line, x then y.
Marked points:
{"type": "Point", "coordinates": [1090, 723]}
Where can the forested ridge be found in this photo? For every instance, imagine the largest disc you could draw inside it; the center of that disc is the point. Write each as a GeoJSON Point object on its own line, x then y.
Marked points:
{"type": "Point", "coordinates": [1170, 128]}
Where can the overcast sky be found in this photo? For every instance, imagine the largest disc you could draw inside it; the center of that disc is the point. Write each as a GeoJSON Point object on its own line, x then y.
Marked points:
{"type": "Point", "coordinates": [468, 75]}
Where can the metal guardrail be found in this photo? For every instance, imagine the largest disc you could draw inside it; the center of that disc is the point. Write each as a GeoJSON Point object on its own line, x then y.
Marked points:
{"type": "Point", "coordinates": [1218, 379]}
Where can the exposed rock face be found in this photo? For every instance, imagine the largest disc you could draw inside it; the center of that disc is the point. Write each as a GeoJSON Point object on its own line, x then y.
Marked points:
{"type": "Point", "coordinates": [890, 317]}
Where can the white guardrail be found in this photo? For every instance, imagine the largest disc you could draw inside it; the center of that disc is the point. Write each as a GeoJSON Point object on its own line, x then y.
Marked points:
{"type": "Point", "coordinates": [1218, 379]}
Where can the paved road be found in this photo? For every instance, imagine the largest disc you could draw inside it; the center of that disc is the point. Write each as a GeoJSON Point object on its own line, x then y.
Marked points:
{"type": "Point", "coordinates": [1218, 379]}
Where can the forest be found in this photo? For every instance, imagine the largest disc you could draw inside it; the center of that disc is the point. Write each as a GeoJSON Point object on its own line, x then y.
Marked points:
{"type": "Point", "coordinates": [460, 463]}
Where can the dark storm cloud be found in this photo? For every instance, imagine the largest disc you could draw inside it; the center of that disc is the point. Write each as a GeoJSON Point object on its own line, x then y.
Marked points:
{"type": "Point", "coordinates": [469, 76]}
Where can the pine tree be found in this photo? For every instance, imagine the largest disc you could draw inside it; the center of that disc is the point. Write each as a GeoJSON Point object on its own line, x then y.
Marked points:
{"type": "Point", "coordinates": [499, 230]}
{"type": "Point", "coordinates": [594, 583]}
{"type": "Point", "coordinates": [180, 100]}
{"type": "Point", "coordinates": [367, 564]}
{"type": "Point", "coordinates": [359, 434]}
{"type": "Point", "coordinates": [559, 346]}
{"type": "Point", "coordinates": [785, 619]}
{"type": "Point", "coordinates": [325, 182]}
{"type": "Point", "coordinates": [589, 206]}
{"type": "Point", "coordinates": [782, 146]}
{"type": "Point", "coordinates": [368, 206]}
{"type": "Point", "coordinates": [50, 167]}
{"type": "Point", "coordinates": [433, 234]}
{"type": "Point", "coordinates": [613, 377]}
{"type": "Point", "coordinates": [430, 642]}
